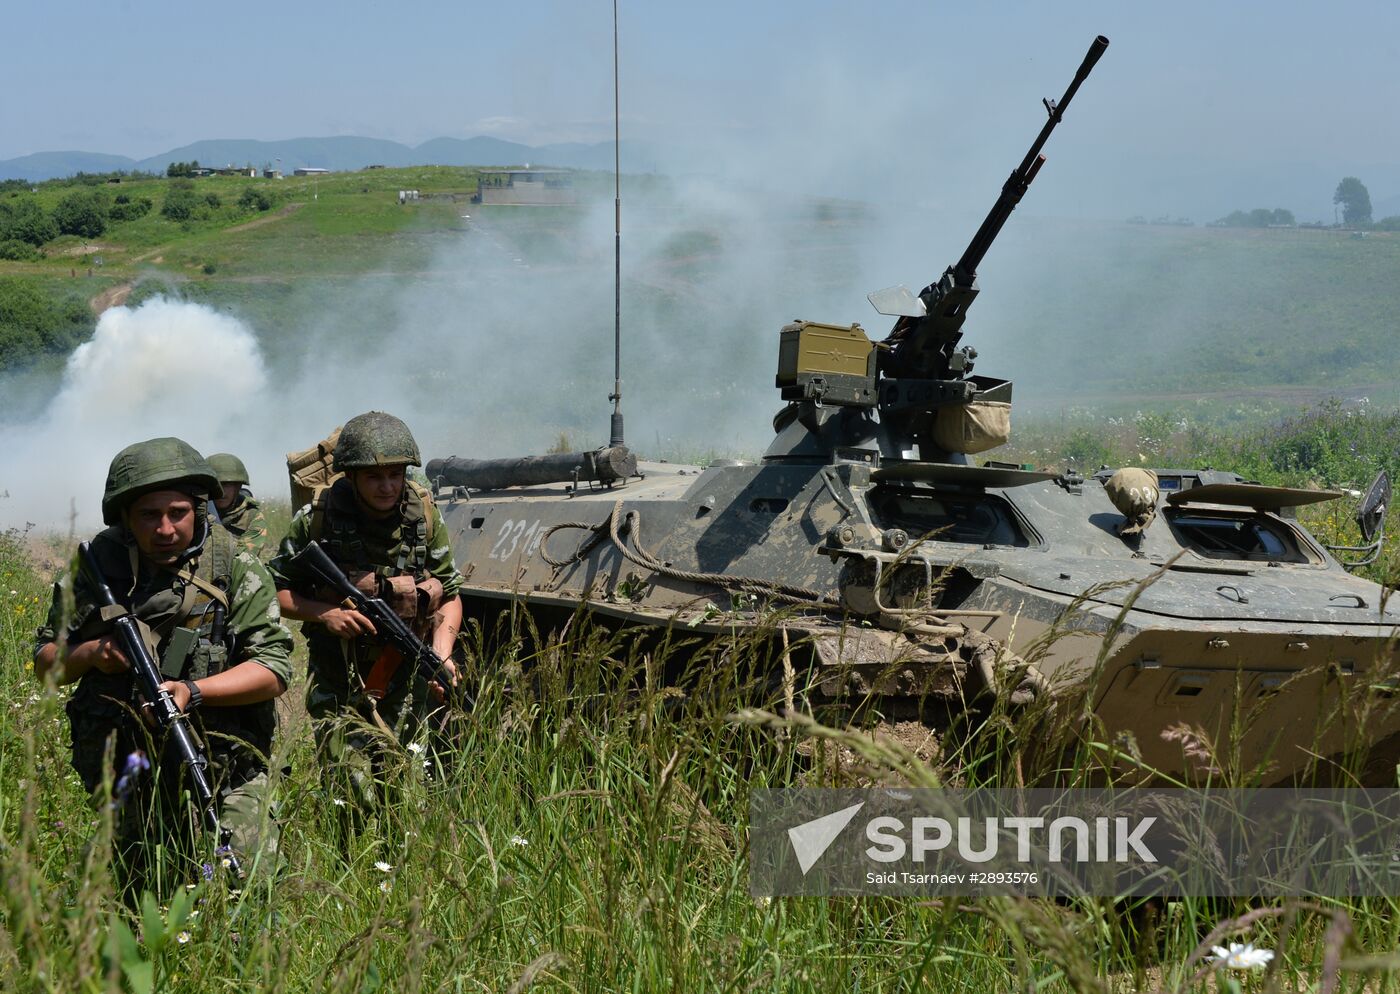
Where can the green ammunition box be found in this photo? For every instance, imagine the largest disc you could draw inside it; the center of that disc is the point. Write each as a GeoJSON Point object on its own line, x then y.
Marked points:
{"type": "Point", "coordinates": [834, 364]}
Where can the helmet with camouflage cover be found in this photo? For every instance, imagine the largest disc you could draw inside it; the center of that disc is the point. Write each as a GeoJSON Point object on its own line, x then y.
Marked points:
{"type": "Point", "coordinates": [228, 468]}
{"type": "Point", "coordinates": [375, 439]}
{"type": "Point", "coordinates": [155, 464]}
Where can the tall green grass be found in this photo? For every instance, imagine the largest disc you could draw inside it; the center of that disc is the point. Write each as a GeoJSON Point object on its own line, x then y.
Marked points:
{"type": "Point", "coordinates": [584, 829]}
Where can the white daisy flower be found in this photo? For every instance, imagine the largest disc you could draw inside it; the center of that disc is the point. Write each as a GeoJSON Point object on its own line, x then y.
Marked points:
{"type": "Point", "coordinates": [415, 747]}
{"type": "Point", "coordinates": [1241, 956]}
{"type": "Point", "coordinates": [519, 840]}
{"type": "Point", "coordinates": [383, 867]}
{"type": "Point", "coordinates": [386, 885]}
{"type": "Point", "coordinates": [338, 802]}
{"type": "Point", "coordinates": [182, 938]}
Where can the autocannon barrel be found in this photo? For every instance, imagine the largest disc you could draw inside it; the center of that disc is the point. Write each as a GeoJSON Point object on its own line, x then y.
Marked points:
{"type": "Point", "coordinates": [607, 465]}
{"type": "Point", "coordinates": [1020, 179]}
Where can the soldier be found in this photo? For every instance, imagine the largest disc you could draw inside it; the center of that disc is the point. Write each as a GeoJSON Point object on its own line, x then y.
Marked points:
{"type": "Point", "coordinates": [210, 614]}
{"type": "Point", "coordinates": [383, 530]}
{"type": "Point", "coordinates": [238, 511]}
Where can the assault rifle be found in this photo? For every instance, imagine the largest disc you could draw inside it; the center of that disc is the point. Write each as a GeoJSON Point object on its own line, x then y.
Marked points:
{"type": "Point", "coordinates": [419, 655]}
{"type": "Point", "coordinates": [194, 764]}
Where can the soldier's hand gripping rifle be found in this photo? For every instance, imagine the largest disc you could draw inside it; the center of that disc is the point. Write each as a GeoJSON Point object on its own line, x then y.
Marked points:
{"type": "Point", "coordinates": [923, 344]}
{"type": "Point", "coordinates": [419, 655]}
{"type": "Point", "coordinates": [194, 764]}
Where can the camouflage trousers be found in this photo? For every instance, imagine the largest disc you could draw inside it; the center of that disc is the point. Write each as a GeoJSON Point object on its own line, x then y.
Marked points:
{"type": "Point", "coordinates": [364, 746]}
{"type": "Point", "coordinates": [159, 839]}
{"type": "Point", "coordinates": [160, 842]}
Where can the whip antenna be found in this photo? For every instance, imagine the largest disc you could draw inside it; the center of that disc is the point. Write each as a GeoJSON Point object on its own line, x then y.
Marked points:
{"type": "Point", "coordinates": [615, 435]}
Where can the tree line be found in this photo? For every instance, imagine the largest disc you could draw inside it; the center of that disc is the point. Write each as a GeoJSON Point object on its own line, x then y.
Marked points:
{"type": "Point", "coordinates": [90, 211]}
{"type": "Point", "coordinates": [1351, 197]}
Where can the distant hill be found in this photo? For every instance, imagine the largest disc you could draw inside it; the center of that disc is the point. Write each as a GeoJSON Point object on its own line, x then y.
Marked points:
{"type": "Point", "coordinates": [340, 153]}
{"type": "Point", "coordinates": [51, 165]}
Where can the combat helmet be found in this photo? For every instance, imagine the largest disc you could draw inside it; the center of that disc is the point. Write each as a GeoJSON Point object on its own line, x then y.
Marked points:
{"type": "Point", "coordinates": [375, 439]}
{"type": "Point", "coordinates": [228, 468]}
{"type": "Point", "coordinates": [155, 464]}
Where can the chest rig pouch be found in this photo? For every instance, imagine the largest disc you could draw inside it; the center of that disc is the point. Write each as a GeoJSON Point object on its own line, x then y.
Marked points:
{"type": "Point", "coordinates": [397, 574]}
{"type": "Point", "coordinates": [334, 525]}
{"type": "Point", "coordinates": [189, 618]}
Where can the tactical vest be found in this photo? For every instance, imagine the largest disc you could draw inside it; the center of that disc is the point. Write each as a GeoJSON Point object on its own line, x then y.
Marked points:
{"type": "Point", "coordinates": [181, 622]}
{"type": "Point", "coordinates": [237, 518]}
{"type": "Point", "coordinates": [334, 525]}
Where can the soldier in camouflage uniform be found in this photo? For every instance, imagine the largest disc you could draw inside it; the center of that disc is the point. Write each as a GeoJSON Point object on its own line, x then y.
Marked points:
{"type": "Point", "coordinates": [210, 614]}
{"type": "Point", "coordinates": [383, 530]}
{"type": "Point", "coordinates": [238, 511]}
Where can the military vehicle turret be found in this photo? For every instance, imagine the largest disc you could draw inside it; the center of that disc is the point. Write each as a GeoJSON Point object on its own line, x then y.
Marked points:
{"type": "Point", "coordinates": [909, 574]}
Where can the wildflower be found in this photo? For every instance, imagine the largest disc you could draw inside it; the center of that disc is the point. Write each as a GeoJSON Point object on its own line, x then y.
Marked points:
{"type": "Point", "coordinates": [383, 867]}
{"type": "Point", "coordinates": [338, 802]}
{"type": "Point", "coordinates": [519, 840]}
{"type": "Point", "coordinates": [182, 938]}
{"type": "Point", "coordinates": [1241, 956]}
{"type": "Point", "coordinates": [136, 764]}
{"type": "Point", "coordinates": [386, 885]}
{"type": "Point", "coordinates": [415, 747]}
{"type": "Point", "coordinates": [208, 870]}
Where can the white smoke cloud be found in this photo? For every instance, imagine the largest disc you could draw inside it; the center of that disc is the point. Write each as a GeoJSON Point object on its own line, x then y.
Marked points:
{"type": "Point", "coordinates": [163, 368]}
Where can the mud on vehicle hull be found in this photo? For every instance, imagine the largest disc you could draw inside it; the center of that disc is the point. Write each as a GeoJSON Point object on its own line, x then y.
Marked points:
{"type": "Point", "coordinates": [1272, 665]}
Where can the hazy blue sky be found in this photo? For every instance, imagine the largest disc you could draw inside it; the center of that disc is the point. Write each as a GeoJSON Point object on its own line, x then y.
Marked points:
{"type": "Point", "coordinates": [1195, 106]}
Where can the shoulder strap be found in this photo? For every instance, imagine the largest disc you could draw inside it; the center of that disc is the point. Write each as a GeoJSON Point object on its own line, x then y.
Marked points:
{"type": "Point", "coordinates": [214, 568]}
{"type": "Point", "coordinates": [418, 528]}
{"type": "Point", "coordinates": [425, 504]}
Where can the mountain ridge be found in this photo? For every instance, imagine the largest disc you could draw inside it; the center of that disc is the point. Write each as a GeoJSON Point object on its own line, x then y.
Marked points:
{"type": "Point", "coordinates": [336, 152]}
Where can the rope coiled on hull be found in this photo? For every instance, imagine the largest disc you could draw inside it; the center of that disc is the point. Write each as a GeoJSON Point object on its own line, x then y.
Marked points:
{"type": "Point", "coordinates": [638, 554]}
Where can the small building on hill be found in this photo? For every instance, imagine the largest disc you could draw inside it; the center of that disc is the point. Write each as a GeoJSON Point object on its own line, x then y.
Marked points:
{"type": "Point", "coordinates": [310, 171]}
{"type": "Point", "coordinates": [525, 187]}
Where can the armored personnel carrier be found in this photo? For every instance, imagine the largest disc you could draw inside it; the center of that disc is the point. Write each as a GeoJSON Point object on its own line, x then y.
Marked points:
{"type": "Point", "coordinates": [904, 571]}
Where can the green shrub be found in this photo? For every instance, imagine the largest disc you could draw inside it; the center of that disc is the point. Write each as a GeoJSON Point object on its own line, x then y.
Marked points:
{"type": "Point", "coordinates": [22, 219]}
{"type": "Point", "coordinates": [34, 323]}
{"type": "Point", "coordinates": [126, 209]}
{"type": "Point", "coordinates": [255, 198]}
{"type": "Point", "coordinates": [14, 250]}
{"type": "Point", "coordinates": [84, 213]}
{"type": "Point", "coordinates": [179, 200]}
{"type": "Point", "coordinates": [212, 199]}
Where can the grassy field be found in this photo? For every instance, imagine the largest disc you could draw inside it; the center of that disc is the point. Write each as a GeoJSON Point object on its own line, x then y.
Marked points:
{"type": "Point", "coordinates": [587, 833]}
{"type": "Point", "coordinates": [1109, 314]}
{"type": "Point", "coordinates": [586, 830]}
